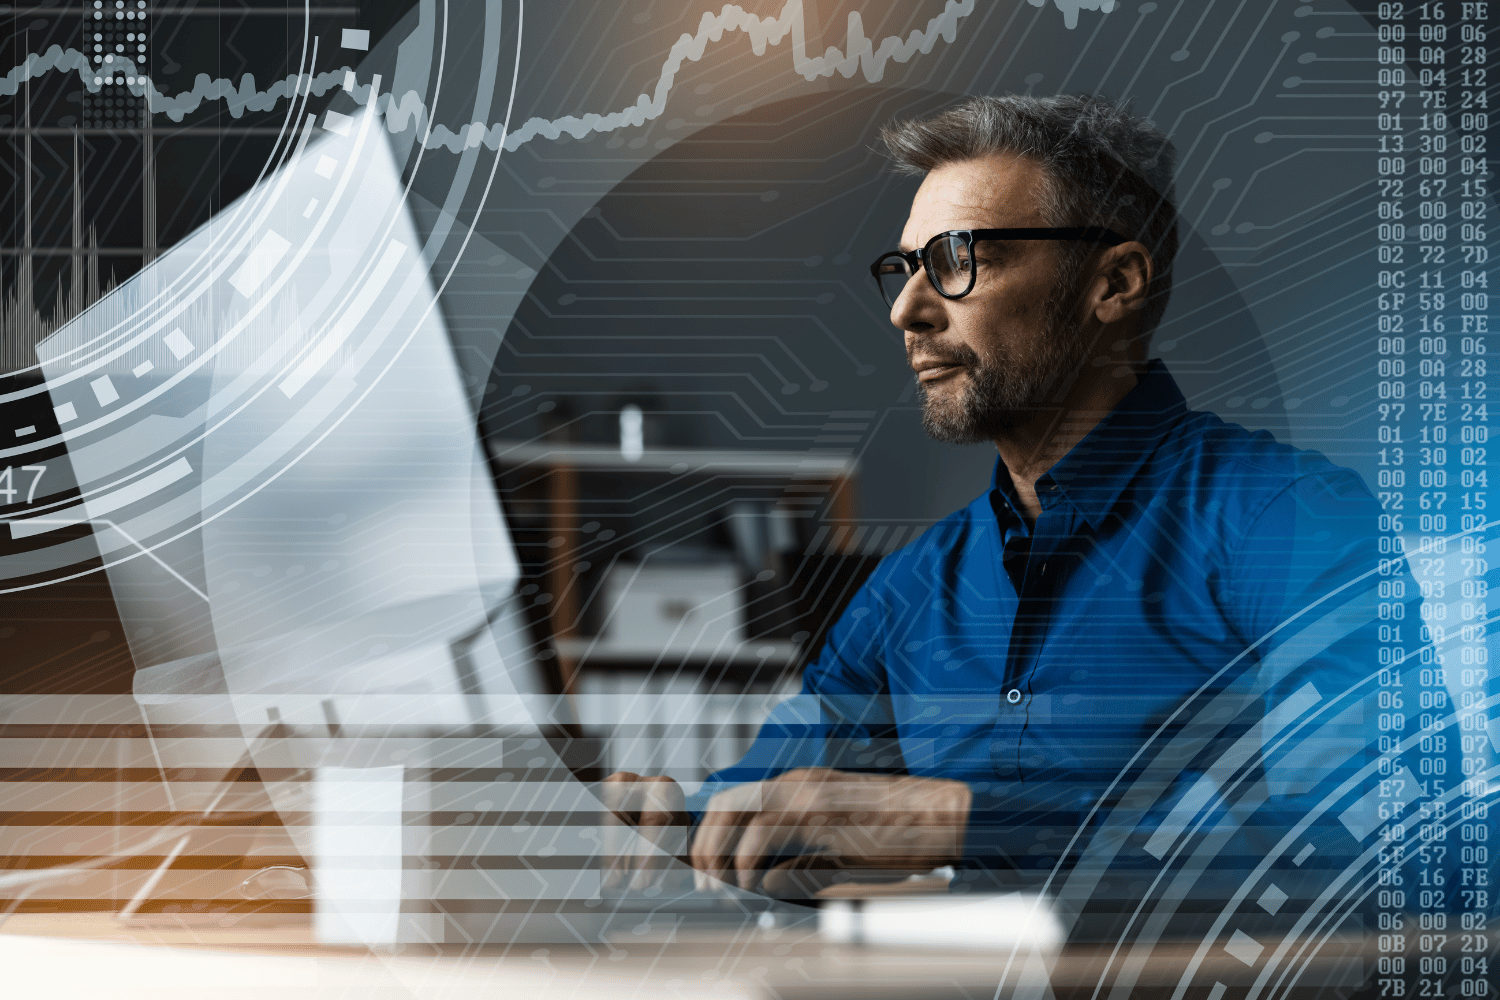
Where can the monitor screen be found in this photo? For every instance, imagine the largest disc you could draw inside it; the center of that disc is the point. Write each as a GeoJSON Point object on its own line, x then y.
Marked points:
{"type": "Point", "coordinates": [280, 465]}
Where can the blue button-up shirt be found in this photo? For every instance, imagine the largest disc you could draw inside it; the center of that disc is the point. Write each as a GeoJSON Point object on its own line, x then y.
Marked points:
{"type": "Point", "coordinates": [1173, 553]}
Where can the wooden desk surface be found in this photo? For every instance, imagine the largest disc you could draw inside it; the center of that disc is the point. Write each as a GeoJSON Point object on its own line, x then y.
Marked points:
{"type": "Point", "coordinates": [71, 955]}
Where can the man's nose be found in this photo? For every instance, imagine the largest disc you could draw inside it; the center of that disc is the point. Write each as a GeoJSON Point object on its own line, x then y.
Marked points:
{"type": "Point", "coordinates": [918, 309]}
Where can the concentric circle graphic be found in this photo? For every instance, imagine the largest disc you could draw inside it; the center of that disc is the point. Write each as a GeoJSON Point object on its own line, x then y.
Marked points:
{"type": "Point", "coordinates": [416, 412]}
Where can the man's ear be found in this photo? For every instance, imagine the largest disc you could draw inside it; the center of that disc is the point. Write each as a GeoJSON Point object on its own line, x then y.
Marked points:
{"type": "Point", "coordinates": [1126, 271]}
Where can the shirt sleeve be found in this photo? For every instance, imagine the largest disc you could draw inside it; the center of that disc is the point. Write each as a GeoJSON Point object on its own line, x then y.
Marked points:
{"type": "Point", "coordinates": [1303, 553]}
{"type": "Point", "coordinates": [841, 718]}
{"type": "Point", "coordinates": [844, 718]}
{"type": "Point", "coordinates": [1304, 586]}
{"type": "Point", "coordinates": [1310, 595]}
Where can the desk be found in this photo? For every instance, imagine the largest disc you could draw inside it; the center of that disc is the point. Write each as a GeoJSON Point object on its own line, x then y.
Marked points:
{"type": "Point", "coordinates": [63, 957]}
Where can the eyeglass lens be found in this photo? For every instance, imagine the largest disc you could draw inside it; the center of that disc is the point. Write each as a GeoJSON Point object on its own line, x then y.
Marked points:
{"type": "Point", "coordinates": [892, 273]}
{"type": "Point", "coordinates": [948, 264]}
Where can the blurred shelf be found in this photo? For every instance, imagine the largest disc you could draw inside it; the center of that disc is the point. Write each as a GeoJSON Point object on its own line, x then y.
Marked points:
{"type": "Point", "coordinates": [599, 652]}
{"type": "Point", "coordinates": [677, 461]}
{"type": "Point", "coordinates": [559, 467]}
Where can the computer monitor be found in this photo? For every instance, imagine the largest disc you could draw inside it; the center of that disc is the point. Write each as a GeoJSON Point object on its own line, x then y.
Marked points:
{"type": "Point", "coordinates": [282, 470]}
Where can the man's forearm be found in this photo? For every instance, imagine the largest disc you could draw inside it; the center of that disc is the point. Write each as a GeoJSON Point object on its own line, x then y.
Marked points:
{"type": "Point", "coordinates": [832, 821]}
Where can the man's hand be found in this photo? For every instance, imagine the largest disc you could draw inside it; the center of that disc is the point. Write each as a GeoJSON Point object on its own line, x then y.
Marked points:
{"type": "Point", "coordinates": [646, 829]}
{"type": "Point", "coordinates": [866, 825]}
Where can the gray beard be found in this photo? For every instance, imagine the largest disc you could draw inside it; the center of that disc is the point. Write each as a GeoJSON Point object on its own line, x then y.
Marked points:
{"type": "Point", "coordinates": [1003, 393]}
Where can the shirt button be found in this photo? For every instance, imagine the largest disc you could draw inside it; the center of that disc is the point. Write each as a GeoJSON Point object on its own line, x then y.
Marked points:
{"type": "Point", "coordinates": [1013, 696]}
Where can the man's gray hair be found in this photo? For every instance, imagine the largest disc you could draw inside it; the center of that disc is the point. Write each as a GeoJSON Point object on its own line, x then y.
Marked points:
{"type": "Point", "coordinates": [1106, 166]}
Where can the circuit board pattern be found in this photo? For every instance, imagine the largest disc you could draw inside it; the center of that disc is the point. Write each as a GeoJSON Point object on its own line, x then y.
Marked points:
{"type": "Point", "coordinates": [697, 257]}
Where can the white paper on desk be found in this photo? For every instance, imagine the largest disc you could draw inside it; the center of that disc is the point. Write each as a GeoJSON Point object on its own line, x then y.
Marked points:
{"type": "Point", "coordinates": [993, 923]}
{"type": "Point", "coordinates": [73, 969]}
{"type": "Point", "coordinates": [357, 862]}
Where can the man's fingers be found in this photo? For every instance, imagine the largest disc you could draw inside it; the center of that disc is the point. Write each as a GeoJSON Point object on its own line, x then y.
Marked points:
{"type": "Point", "coordinates": [663, 825]}
{"type": "Point", "coordinates": [718, 833]}
{"type": "Point", "coordinates": [621, 793]}
{"type": "Point", "coordinates": [763, 837]}
{"type": "Point", "coordinates": [643, 815]}
{"type": "Point", "coordinates": [713, 846]}
{"type": "Point", "coordinates": [802, 878]}
{"type": "Point", "coordinates": [661, 799]}
{"type": "Point", "coordinates": [616, 795]}
{"type": "Point", "coordinates": [669, 842]}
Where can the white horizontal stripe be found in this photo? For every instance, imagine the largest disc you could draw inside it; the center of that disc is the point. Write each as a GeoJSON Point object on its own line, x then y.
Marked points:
{"type": "Point", "coordinates": [99, 507]}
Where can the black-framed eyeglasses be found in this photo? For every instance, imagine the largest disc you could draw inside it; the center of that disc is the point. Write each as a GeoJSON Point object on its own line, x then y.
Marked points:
{"type": "Point", "coordinates": [948, 257]}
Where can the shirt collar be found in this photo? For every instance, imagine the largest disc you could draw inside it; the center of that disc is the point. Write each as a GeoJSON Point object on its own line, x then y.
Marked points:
{"type": "Point", "coordinates": [1096, 471]}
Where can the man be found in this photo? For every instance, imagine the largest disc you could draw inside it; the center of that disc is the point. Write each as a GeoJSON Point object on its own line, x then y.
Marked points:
{"type": "Point", "coordinates": [1132, 562]}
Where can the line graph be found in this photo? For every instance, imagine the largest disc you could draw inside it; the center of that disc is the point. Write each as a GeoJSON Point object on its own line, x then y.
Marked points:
{"type": "Point", "coordinates": [860, 54]}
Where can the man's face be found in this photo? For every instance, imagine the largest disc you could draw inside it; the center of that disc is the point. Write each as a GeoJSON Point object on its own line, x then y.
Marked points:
{"type": "Point", "coordinates": [1000, 356]}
